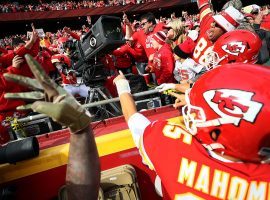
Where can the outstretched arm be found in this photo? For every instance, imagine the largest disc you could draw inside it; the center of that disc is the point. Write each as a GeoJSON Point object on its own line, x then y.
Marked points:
{"type": "Point", "coordinates": [83, 168]}
{"type": "Point", "coordinates": [136, 121]}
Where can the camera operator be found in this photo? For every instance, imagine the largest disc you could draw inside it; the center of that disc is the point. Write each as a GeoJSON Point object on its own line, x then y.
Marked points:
{"type": "Point", "coordinates": [68, 76]}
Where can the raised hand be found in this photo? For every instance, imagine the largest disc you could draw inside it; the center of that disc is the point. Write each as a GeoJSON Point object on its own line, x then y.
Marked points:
{"type": "Point", "coordinates": [17, 61]}
{"type": "Point", "coordinates": [179, 101]}
{"type": "Point", "coordinates": [33, 38]}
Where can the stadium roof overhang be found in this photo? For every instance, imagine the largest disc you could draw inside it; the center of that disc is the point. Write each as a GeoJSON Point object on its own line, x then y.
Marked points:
{"type": "Point", "coordinates": [137, 8]}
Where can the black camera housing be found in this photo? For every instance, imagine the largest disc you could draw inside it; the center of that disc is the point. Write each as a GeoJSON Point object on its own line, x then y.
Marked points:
{"type": "Point", "coordinates": [104, 36]}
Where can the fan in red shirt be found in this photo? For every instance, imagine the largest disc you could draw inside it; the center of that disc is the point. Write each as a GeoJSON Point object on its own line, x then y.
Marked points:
{"type": "Point", "coordinates": [212, 27]}
{"type": "Point", "coordinates": [223, 151]}
{"type": "Point", "coordinates": [143, 36]}
{"type": "Point", "coordinates": [163, 61]}
{"type": "Point", "coordinates": [19, 66]}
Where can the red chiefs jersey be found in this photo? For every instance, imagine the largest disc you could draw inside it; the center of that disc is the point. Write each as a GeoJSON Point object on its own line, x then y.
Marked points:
{"type": "Point", "coordinates": [204, 45]}
{"type": "Point", "coordinates": [70, 78]}
{"type": "Point", "coordinates": [188, 172]}
{"type": "Point", "coordinates": [163, 63]}
{"type": "Point", "coordinates": [138, 53]}
{"type": "Point", "coordinates": [145, 40]}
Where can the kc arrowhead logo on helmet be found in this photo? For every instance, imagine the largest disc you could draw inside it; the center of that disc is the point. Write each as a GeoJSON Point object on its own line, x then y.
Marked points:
{"type": "Point", "coordinates": [234, 48]}
{"type": "Point", "coordinates": [233, 105]}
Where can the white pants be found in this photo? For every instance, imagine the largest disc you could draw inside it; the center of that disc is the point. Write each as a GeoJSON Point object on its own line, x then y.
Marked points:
{"type": "Point", "coordinates": [81, 90]}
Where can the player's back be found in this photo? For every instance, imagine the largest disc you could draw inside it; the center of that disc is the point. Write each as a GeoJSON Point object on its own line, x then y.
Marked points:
{"type": "Point", "coordinates": [187, 171]}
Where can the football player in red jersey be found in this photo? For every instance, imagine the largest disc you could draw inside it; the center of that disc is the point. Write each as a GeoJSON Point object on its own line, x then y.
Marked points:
{"type": "Point", "coordinates": [224, 151]}
{"type": "Point", "coordinates": [235, 46]}
{"type": "Point", "coordinates": [212, 27]}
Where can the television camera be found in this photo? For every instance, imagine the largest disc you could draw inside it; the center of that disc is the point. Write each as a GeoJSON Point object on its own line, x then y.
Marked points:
{"type": "Point", "coordinates": [104, 36]}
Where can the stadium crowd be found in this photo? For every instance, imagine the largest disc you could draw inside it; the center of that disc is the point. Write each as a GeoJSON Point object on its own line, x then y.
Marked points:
{"type": "Point", "coordinates": [64, 5]}
{"type": "Point", "coordinates": [209, 62]}
{"type": "Point", "coordinates": [172, 50]}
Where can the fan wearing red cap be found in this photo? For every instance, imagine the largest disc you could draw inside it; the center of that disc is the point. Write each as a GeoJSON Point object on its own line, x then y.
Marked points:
{"type": "Point", "coordinates": [213, 26]}
{"type": "Point", "coordinates": [163, 62]}
{"type": "Point", "coordinates": [186, 69]}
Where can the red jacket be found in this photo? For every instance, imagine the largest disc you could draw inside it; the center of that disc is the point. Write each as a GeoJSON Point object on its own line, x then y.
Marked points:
{"type": "Point", "coordinates": [8, 107]}
{"type": "Point", "coordinates": [137, 52]}
{"type": "Point", "coordinates": [163, 63]}
{"type": "Point", "coordinates": [44, 58]}
{"type": "Point", "coordinates": [8, 86]}
{"type": "Point", "coordinates": [121, 58]}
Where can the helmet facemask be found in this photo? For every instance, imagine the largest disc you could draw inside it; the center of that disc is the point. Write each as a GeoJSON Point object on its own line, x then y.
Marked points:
{"type": "Point", "coordinates": [192, 115]}
{"type": "Point", "coordinates": [212, 60]}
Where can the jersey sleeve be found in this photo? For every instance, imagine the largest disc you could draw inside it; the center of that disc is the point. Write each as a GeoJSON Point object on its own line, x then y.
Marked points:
{"type": "Point", "coordinates": [135, 36]}
{"type": "Point", "coordinates": [206, 14]}
{"type": "Point", "coordinates": [158, 138]}
{"type": "Point", "coordinates": [205, 9]}
{"type": "Point", "coordinates": [176, 70]}
{"type": "Point", "coordinates": [145, 158]}
{"type": "Point", "coordinates": [137, 124]}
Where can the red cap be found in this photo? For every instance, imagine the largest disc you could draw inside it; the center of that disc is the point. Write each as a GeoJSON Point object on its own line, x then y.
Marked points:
{"type": "Point", "coordinates": [185, 49]}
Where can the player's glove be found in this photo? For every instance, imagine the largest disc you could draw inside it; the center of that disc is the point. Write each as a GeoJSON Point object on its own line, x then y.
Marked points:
{"type": "Point", "coordinates": [58, 104]}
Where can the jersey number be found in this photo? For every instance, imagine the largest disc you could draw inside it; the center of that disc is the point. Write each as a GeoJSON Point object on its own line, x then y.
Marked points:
{"type": "Point", "coordinates": [200, 47]}
{"type": "Point", "coordinates": [184, 74]}
{"type": "Point", "coordinates": [175, 132]}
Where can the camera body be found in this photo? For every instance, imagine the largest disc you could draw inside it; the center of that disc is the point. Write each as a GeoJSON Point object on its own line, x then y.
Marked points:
{"type": "Point", "coordinates": [104, 36]}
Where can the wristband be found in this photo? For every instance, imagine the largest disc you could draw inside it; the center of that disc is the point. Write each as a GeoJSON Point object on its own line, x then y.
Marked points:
{"type": "Point", "coordinates": [122, 86]}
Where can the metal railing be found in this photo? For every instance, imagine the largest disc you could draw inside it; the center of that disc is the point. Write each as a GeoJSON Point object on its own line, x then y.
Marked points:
{"type": "Point", "coordinates": [90, 105]}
